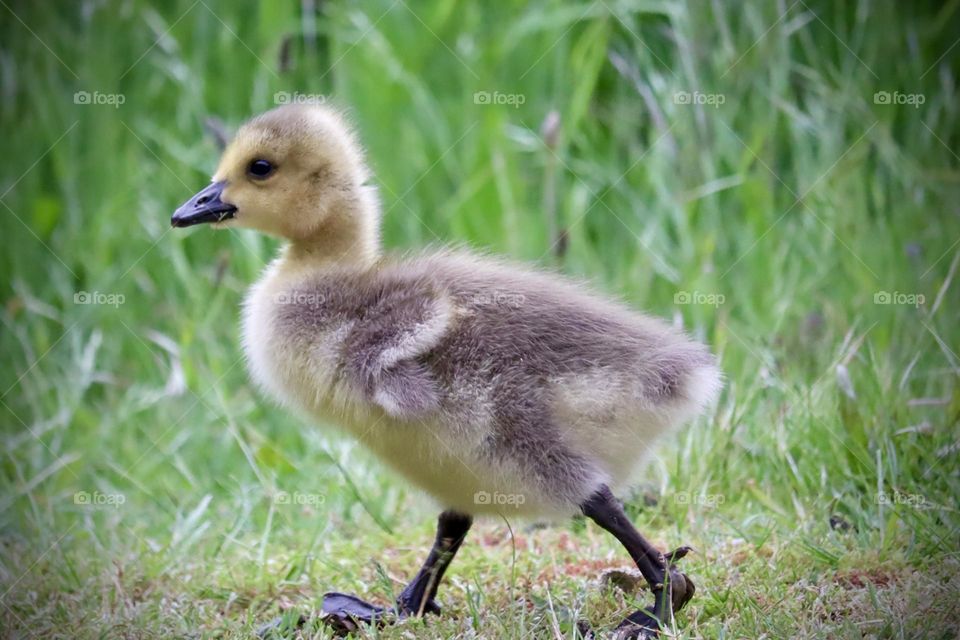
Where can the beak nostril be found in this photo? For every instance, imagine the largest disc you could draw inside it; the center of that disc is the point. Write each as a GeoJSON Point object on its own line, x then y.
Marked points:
{"type": "Point", "coordinates": [203, 206]}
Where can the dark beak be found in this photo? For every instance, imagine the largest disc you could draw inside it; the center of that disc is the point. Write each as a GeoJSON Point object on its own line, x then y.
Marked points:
{"type": "Point", "coordinates": [205, 206]}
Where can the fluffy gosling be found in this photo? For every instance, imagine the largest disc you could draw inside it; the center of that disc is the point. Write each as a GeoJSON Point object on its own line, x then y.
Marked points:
{"type": "Point", "coordinates": [492, 386]}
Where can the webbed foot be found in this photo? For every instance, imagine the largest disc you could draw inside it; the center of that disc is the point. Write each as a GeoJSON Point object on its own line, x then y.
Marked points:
{"type": "Point", "coordinates": [345, 613]}
{"type": "Point", "coordinates": [647, 622]}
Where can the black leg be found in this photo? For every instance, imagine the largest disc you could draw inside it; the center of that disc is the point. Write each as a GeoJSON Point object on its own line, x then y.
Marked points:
{"type": "Point", "coordinates": [418, 596]}
{"type": "Point", "coordinates": [671, 588]}
{"type": "Point", "coordinates": [345, 613]}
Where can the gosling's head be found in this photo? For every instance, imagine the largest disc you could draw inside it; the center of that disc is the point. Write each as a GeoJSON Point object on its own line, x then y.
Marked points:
{"type": "Point", "coordinates": [296, 172]}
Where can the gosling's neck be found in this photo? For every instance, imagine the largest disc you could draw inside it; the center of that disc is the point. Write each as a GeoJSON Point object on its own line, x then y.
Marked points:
{"type": "Point", "coordinates": [349, 239]}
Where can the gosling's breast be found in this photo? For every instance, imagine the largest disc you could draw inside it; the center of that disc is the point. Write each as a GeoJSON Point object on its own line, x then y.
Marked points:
{"type": "Point", "coordinates": [292, 344]}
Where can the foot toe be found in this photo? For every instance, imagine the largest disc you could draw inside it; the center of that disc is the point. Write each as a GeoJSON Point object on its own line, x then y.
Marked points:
{"type": "Point", "coordinates": [639, 625]}
{"type": "Point", "coordinates": [678, 553]}
{"type": "Point", "coordinates": [344, 613]}
{"type": "Point", "coordinates": [681, 588]}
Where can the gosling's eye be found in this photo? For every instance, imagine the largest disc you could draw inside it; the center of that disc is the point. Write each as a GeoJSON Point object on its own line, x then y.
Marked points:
{"type": "Point", "coordinates": [260, 168]}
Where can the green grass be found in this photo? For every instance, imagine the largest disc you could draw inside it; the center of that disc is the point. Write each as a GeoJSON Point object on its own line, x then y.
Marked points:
{"type": "Point", "coordinates": [791, 205]}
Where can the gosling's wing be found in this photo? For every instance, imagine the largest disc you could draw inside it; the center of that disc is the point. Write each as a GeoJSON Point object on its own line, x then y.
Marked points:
{"type": "Point", "coordinates": [561, 330]}
{"type": "Point", "coordinates": [403, 321]}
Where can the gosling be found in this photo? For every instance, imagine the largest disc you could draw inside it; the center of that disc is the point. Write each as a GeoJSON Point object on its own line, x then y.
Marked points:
{"type": "Point", "coordinates": [496, 388]}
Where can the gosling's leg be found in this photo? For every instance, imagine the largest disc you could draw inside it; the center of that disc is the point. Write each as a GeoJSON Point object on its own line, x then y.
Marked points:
{"type": "Point", "coordinates": [344, 612]}
{"type": "Point", "coordinates": [671, 588]}
{"type": "Point", "coordinates": [418, 596]}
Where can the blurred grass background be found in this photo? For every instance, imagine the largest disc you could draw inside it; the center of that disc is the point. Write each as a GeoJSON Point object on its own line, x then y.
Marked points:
{"type": "Point", "coordinates": [821, 494]}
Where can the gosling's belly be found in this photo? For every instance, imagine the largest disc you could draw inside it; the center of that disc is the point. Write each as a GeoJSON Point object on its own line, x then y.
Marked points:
{"type": "Point", "coordinates": [448, 471]}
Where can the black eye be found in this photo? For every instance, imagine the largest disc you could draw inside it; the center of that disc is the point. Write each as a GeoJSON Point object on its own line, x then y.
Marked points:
{"type": "Point", "coordinates": [260, 168]}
